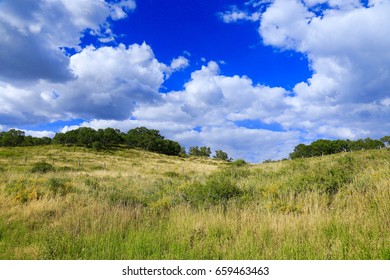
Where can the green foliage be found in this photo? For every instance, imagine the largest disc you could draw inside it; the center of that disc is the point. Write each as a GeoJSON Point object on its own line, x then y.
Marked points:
{"type": "Point", "coordinates": [42, 167]}
{"type": "Point", "coordinates": [12, 138]}
{"type": "Point", "coordinates": [327, 147]}
{"type": "Point", "coordinates": [23, 191]}
{"type": "Point", "coordinates": [109, 137]}
{"type": "Point", "coordinates": [98, 146]}
{"type": "Point", "coordinates": [221, 155]}
{"type": "Point", "coordinates": [326, 178]}
{"type": "Point", "coordinates": [141, 137]}
{"type": "Point", "coordinates": [239, 163]}
{"type": "Point", "coordinates": [151, 140]}
{"type": "Point", "coordinates": [200, 151]}
{"type": "Point", "coordinates": [59, 186]}
{"type": "Point", "coordinates": [217, 189]}
{"type": "Point", "coordinates": [172, 174]}
{"type": "Point", "coordinates": [386, 140]}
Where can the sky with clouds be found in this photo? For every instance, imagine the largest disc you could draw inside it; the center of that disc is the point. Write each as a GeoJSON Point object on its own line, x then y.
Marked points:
{"type": "Point", "coordinates": [254, 78]}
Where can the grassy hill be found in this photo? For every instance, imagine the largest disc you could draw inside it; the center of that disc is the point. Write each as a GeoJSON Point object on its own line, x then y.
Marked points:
{"type": "Point", "coordinates": [74, 203]}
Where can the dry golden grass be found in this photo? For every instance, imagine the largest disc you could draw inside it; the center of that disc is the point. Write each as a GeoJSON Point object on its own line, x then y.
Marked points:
{"type": "Point", "coordinates": [129, 204]}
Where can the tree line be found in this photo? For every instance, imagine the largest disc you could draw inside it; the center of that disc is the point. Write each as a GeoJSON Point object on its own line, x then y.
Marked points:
{"type": "Point", "coordinates": [13, 138]}
{"type": "Point", "coordinates": [140, 137]}
{"type": "Point", "coordinates": [327, 147]}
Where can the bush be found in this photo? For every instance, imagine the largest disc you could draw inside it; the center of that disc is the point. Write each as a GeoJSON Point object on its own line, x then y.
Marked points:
{"type": "Point", "coordinates": [172, 174]}
{"type": "Point", "coordinates": [42, 167]}
{"type": "Point", "coordinates": [23, 191]}
{"type": "Point", "coordinates": [97, 146]}
{"type": "Point", "coordinates": [217, 189]}
{"type": "Point", "coordinates": [239, 162]}
{"type": "Point", "coordinates": [59, 186]}
{"type": "Point", "coordinates": [328, 178]}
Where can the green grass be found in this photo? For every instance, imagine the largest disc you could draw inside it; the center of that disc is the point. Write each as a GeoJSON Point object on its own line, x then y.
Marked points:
{"type": "Point", "coordinates": [129, 204]}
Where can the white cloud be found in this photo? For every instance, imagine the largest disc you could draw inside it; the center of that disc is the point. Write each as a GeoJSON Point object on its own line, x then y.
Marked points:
{"type": "Point", "coordinates": [45, 26]}
{"type": "Point", "coordinates": [120, 10]}
{"type": "Point", "coordinates": [179, 63]}
{"type": "Point", "coordinates": [347, 47]}
{"type": "Point", "coordinates": [110, 81]}
{"type": "Point", "coordinates": [40, 134]}
{"type": "Point", "coordinates": [235, 14]}
{"type": "Point", "coordinates": [254, 145]}
{"type": "Point", "coordinates": [108, 84]}
{"type": "Point", "coordinates": [215, 102]}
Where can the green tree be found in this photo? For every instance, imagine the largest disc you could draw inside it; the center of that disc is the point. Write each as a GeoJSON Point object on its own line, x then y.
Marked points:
{"type": "Point", "coordinates": [386, 140]}
{"type": "Point", "coordinates": [109, 137]}
{"type": "Point", "coordinates": [200, 152]}
{"type": "Point", "coordinates": [143, 138]}
{"type": "Point", "coordinates": [13, 138]}
{"type": "Point", "coordinates": [300, 151]}
{"type": "Point", "coordinates": [86, 136]}
{"type": "Point", "coordinates": [59, 138]}
{"type": "Point", "coordinates": [221, 155]}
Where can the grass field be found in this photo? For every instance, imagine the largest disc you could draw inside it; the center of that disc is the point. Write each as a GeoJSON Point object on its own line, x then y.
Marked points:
{"type": "Point", "coordinates": [74, 203]}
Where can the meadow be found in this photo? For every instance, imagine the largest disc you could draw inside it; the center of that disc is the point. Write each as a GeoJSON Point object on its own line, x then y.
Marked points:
{"type": "Point", "coordinates": [76, 203]}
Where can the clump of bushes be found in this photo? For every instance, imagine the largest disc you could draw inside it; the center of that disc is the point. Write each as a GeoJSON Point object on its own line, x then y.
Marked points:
{"type": "Point", "coordinates": [42, 167]}
{"type": "Point", "coordinates": [59, 186]}
{"type": "Point", "coordinates": [327, 178]}
{"type": "Point", "coordinates": [239, 163]}
{"type": "Point", "coordinates": [218, 189]}
{"type": "Point", "coordinates": [24, 191]}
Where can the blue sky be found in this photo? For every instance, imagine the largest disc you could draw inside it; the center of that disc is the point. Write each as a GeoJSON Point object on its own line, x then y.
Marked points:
{"type": "Point", "coordinates": [253, 78]}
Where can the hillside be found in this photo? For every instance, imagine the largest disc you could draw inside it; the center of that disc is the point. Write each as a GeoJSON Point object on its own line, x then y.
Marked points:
{"type": "Point", "coordinates": [76, 203]}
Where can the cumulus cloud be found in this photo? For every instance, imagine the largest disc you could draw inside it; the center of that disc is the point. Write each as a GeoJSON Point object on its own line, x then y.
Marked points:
{"type": "Point", "coordinates": [109, 82]}
{"type": "Point", "coordinates": [347, 47]}
{"type": "Point", "coordinates": [33, 32]}
{"type": "Point", "coordinates": [102, 83]}
{"type": "Point", "coordinates": [179, 63]}
{"type": "Point", "coordinates": [207, 112]}
{"type": "Point", "coordinates": [235, 14]}
{"type": "Point", "coordinates": [40, 134]}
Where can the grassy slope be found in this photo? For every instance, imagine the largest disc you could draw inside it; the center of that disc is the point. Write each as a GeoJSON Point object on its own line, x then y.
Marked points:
{"type": "Point", "coordinates": [128, 204]}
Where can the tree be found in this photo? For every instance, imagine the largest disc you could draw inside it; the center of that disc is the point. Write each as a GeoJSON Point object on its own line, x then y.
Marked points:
{"type": "Point", "coordinates": [13, 138]}
{"type": "Point", "coordinates": [168, 147]}
{"type": "Point", "coordinates": [221, 155]}
{"type": "Point", "coordinates": [183, 152]}
{"type": "Point", "coordinates": [59, 138]}
{"type": "Point", "coordinates": [109, 137]}
{"type": "Point", "coordinates": [386, 140]}
{"type": "Point", "coordinates": [300, 151]}
{"type": "Point", "coordinates": [143, 138]}
{"type": "Point", "coordinates": [200, 152]}
{"type": "Point", "coordinates": [86, 136]}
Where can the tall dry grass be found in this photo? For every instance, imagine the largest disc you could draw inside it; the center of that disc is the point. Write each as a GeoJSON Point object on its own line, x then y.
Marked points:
{"type": "Point", "coordinates": [128, 204]}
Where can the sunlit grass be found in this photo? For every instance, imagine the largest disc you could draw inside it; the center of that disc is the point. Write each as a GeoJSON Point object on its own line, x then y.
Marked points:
{"type": "Point", "coordinates": [129, 204]}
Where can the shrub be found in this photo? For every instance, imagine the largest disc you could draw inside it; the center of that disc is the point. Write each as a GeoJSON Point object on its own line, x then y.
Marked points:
{"type": "Point", "coordinates": [58, 186]}
{"type": "Point", "coordinates": [328, 178]}
{"type": "Point", "coordinates": [23, 191]}
{"type": "Point", "coordinates": [172, 174]}
{"type": "Point", "coordinates": [239, 162]}
{"type": "Point", "coordinates": [217, 189]}
{"type": "Point", "coordinates": [42, 167]}
{"type": "Point", "coordinates": [97, 146]}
